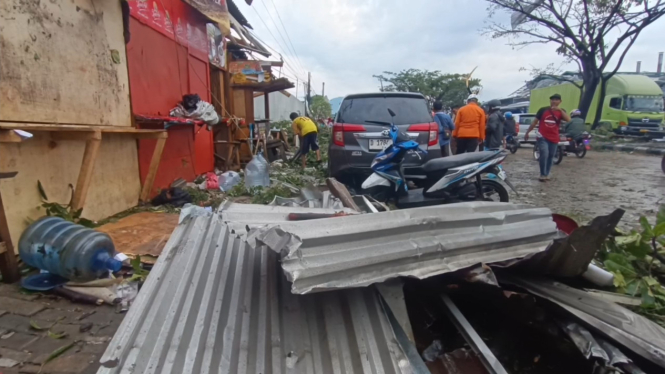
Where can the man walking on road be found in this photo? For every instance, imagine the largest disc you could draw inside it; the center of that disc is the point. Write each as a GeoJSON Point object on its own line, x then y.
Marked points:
{"type": "Point", "coordinates": [548, 120]}
{"type": "Point", "coordinates": [469, 126]}
{"type": "Point", "coordinates": [446, 127]}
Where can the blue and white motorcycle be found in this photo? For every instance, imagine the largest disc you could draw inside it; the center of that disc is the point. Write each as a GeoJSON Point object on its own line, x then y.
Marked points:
{"type": "Point", "coordinates": [443, 180]}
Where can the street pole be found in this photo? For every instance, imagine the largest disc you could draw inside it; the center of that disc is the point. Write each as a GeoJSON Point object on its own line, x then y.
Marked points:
{"type": "Point", "coordinates": [309, 88]}
{"type": "Point", "coordinates": [323, 89]}
{"type": "Point", "coordinates": [296, 88]}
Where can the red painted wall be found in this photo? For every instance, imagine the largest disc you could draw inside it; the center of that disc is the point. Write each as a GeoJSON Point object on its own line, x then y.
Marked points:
{"type": "Point", "coordinates": [164, 65]}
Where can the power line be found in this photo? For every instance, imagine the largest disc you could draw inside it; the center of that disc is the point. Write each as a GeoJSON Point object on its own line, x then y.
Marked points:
{"type": "Point", "coordinates": [287, 35]}
{"type": "Point", "coordinates": [286, 65]}
{"type": "Point", "coordinates": [279, 32]}
{"type": "Point", "coordinates": [273, 36]}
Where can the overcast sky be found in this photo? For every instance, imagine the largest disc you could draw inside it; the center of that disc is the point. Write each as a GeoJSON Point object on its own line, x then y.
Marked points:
{"type": "Point", "coordinates": [344, 42]}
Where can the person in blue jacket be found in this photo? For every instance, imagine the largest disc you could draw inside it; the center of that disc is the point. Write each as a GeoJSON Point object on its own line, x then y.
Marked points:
{"type": "Point", "coordinates": [446, 127]}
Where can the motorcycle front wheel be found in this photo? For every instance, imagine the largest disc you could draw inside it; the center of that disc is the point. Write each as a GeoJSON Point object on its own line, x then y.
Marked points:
{"type": "Point", "coordinates": [512, 148]}
{"type": "Point", "coordinates": [494, 191]}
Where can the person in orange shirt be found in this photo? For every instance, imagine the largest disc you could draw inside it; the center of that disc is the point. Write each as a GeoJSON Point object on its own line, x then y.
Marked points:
{"type": "Point", "coordinates": [469, 126]}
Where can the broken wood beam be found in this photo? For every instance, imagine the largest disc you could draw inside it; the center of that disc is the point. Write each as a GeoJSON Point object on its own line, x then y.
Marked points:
{"type": "Point", "coordinates": [341, 192]}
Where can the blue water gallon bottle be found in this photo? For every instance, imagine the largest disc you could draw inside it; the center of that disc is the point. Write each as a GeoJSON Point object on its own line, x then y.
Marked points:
{"type": "Point", "coordinates": [67, 249]}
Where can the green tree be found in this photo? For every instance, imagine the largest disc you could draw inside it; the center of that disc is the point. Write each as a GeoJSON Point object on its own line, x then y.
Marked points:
{"type": "Point", "coordinates": [595, 34]}
{"type": "Point", "coordinates": [320, 107]}
{"type": "Point", "coordinates": [451, 89]}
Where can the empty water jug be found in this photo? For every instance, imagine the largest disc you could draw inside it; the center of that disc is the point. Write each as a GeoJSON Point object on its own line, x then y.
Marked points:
{"type": "Point", "coordinates": [67, 249]}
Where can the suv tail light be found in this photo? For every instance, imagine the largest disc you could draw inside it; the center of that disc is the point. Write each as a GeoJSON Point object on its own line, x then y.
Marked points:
{"type": "Point", "coordinates": [339, 129]}
{"type": "Point", "coordinates": [432, 128]}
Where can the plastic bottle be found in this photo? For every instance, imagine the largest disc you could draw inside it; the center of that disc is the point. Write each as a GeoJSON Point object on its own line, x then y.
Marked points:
{"type": "Point", "coordinates": [67, 249]}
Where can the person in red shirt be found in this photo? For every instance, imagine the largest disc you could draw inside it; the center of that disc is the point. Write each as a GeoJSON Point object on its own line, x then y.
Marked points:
{"type": "Point", "coordinates": [548, 120]}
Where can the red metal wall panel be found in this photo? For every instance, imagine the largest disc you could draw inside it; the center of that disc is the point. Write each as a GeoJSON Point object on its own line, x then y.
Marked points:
{"type": "Point", "coordinates": [199, 82]}
{"type": "Point", "coordinates": [177, 159]}
{"type": "Point", "coordinates": [160, 72]}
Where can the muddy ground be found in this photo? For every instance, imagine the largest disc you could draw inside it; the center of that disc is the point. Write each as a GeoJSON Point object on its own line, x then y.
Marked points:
{"type": "Point", "coordinates": [591, 186]}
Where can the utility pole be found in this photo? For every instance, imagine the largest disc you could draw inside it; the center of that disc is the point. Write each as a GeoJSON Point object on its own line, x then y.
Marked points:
{"type": "Point", "coordinates": [308, 99]}
{"type": "Point", "coordinates": [323, 89]}
{"type": "Point", "coordinates": [296, 88]}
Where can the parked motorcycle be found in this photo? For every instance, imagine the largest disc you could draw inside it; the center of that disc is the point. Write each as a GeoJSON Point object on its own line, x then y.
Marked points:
{"type": "Point", "coordinates": [443, 180]}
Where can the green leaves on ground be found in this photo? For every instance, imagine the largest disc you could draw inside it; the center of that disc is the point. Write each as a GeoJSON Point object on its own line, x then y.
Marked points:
{"type": "Point", "coordinates": [637, 262]}
{"type": "Point", "coordinates": [63, 211]}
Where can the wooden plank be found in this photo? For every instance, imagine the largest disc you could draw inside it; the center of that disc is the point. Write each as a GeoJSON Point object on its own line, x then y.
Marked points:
{"type": "Point", "coordinates": [65, 62]}
{"type": "Point", "coordinates": [9, 136]}
{"type": "Point", "coordinates": [8, 263]}
{"type": "Point", "coordinates": [152, 171]}
{"type": "Point", "coordinates": [87, 166]}
{"type": "Point", "coordinates": [55, 127]}
{"type": "Point", "coordinates": [340, 191]}
{"type": "Point", "coordinates": [72, 135]}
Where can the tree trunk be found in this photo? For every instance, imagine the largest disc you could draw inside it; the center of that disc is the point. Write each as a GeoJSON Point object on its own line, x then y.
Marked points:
{"type": "Point", "coordinates": [601, 100]}
{"type": "Point", "coordinates": [591, 76]}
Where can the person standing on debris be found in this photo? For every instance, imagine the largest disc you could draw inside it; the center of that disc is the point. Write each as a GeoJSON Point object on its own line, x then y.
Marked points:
{"type": "Point", "coordinates": [308, 131]}
{"type": "Point", "coordinates": [446, 127]}
{"type": "Point", "coordinates": [548, 120]}
{"type": "Point", "coordinates": [469, 126]}
{"type": "Point", "coordinates": [494, 129]}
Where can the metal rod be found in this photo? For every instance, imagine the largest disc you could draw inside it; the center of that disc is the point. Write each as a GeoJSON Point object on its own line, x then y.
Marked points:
{"type": "Point", "coordinates": [471, 336]}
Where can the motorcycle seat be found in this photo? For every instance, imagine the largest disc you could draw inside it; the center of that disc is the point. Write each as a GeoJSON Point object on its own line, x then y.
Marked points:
{"type": "Point", "coordinates": [450, 162]}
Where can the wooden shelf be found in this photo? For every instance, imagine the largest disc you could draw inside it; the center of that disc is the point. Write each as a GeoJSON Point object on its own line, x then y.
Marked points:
{"type": "Point", "coordinates": [39, 127]}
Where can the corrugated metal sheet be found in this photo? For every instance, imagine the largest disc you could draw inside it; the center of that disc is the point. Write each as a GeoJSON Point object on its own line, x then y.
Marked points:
{"type": "Point", "coordinates": [630, 329]}
{"type": "Point", "coordinates": [241, 216]}
{"type": "Point", "coordinates": [212, 304]}
{"type": "Point", "coordinates": [355, 251]}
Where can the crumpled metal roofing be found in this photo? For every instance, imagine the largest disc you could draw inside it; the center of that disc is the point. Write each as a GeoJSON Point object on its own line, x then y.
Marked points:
{"type": "Point", "coordinates": [242, 216]}
{"type": "Point", "coordinates": [356, 251]}
{"type": "Point", "coordinates": [212, 304]}
{"type": "Point", "coordinates": [630, 329]}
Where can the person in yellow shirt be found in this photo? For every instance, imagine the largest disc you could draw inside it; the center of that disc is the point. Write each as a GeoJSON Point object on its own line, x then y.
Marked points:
{"type": "Point", "coordinates": [308, 131]}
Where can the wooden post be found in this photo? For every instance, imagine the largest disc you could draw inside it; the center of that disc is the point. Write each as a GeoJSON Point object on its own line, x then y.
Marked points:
{"type": "Point", "coordinates": [154, 165]}
{"type": "Point", "coordinates": [8, 264]}
{"type": "Point", "coordinates": [87, 166]}
{"type": "Point", "coordinates": [266, 101]}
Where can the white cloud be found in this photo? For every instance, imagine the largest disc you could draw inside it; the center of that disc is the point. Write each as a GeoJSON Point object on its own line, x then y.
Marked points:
{"type": "Point", "coordinates": [345, 42]}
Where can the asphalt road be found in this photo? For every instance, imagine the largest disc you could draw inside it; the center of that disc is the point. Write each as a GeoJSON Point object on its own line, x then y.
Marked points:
{"type": "Point", "coordinates": [594, 185]}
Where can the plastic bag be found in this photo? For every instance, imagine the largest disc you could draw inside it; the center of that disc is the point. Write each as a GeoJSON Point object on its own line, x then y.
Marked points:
{"type": "Point", "coordinates": [228, 180]}
{"type": "Point", "coordinates": [257, 173]}
{"type": "Point", "coordinates": [212, 182]}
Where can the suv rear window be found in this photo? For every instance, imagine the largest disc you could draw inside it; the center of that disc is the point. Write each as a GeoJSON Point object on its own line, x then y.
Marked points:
{"type": "Point", "coordinates": [526, 119]}
{"type": "Point", "coordinates": [408, 110]}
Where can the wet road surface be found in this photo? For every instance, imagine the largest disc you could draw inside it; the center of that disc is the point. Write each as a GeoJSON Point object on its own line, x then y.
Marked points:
{"type": "Point", "coordinates": [594, 185]}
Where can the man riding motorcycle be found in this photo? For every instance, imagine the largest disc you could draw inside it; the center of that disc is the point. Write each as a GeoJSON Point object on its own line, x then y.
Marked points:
{"type": "Point", "coordinates": [575, 127]}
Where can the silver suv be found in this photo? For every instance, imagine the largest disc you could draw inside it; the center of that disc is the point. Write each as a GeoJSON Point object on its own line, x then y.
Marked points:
{"type": "Point", "coordinates": [355, 142]}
